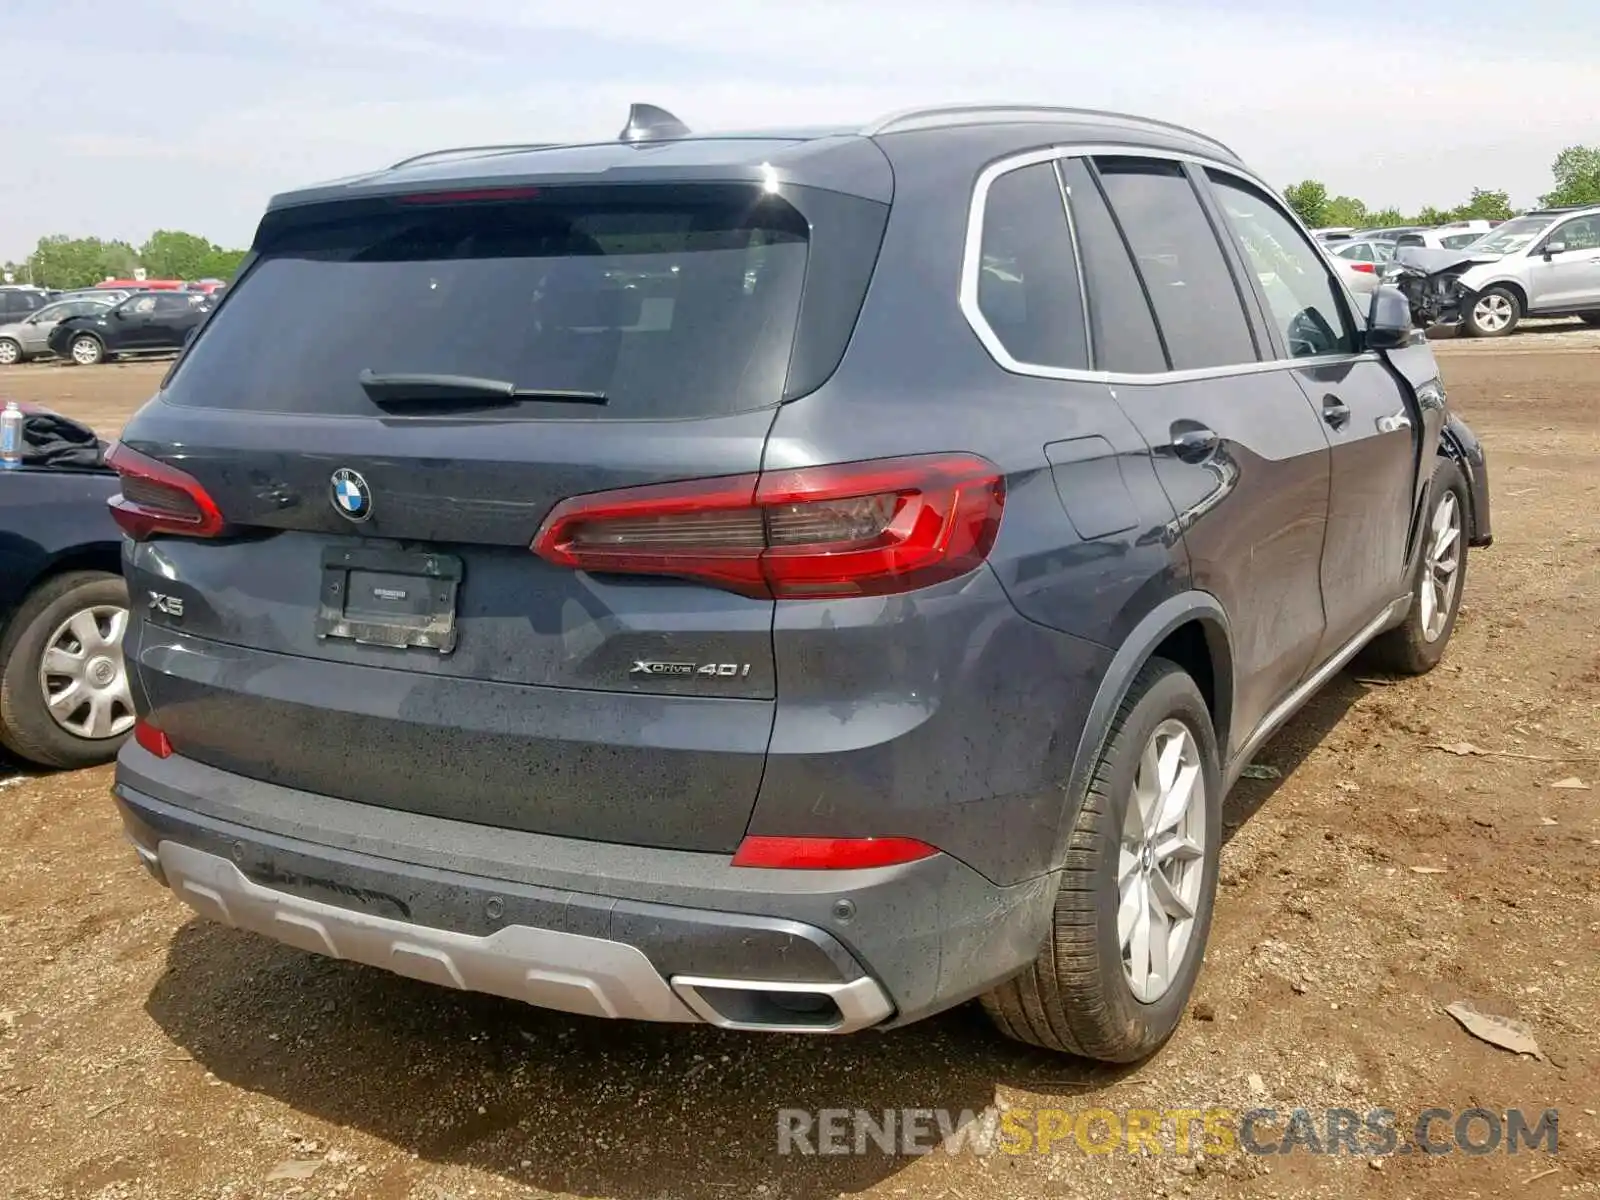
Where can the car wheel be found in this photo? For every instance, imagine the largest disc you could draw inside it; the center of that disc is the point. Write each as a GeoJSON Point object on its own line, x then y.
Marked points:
{"type": "Point", "coordinates": [64, 697]}
{"type": "Point", "coordinates": [1495, 313]}
{"type": "Point", "coordinates": [1416, 647]}
{"type": "Point", "coordinates": [87, 350]}
{"type": "Point", "coordinates": [1131, 919]}
{"type": "Point", "coordinates": [10, 352]}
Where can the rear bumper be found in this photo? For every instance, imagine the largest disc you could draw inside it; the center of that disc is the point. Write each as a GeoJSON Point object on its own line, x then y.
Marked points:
{"type": "Point", "coordinates": [586, 927]}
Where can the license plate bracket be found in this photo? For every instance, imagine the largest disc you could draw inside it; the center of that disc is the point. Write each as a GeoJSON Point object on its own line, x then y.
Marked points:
{"type": "Point", "coordinates": [378, 596]}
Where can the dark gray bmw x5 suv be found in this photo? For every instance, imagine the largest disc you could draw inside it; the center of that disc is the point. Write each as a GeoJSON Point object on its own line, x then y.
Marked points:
{"type": "Point", "coordinates": [793, 580]}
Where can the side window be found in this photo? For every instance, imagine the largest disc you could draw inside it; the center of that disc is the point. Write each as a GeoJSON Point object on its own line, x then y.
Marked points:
{"type": "Point", "coordinates": [1193, 292]}
{"type": "Point", "coordinates": [1028, 288]}
{"type": "Point", "coordinates": [1298, 287]}
{"type": "Point", "coordinates": [141, 307]}
{"type": "Point", "coordinates": [1361, 252]}
{"type": "Point", "coordinates": [173, 302]}
{"type": "Point", "coordinates": [1125, 338]}
{"type": "Point", "coordinates": [1582, 234]}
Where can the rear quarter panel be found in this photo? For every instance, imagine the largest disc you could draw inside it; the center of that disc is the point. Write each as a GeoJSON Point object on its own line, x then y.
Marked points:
{"type": "Point", "coordinates": [52, 520]}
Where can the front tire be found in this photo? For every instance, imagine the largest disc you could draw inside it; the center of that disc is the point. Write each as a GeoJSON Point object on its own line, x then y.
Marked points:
{"type": "Point", "coordinates": [87, 350]}
{"type": "Point", "coordinates": [1495, 313]}
{"type": "Point", "coordinates": [10, 352]}
{"type": "Point", "coordinates": [1137, 888]}
{"type": "Point", "coordinates": [1437, 582]}
{"type": "Point", "coordinates": [64, 697]}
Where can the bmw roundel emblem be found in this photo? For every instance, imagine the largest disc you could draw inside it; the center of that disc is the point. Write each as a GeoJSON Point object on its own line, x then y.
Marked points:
{"type": "Point", "coordinates": [351, 496]}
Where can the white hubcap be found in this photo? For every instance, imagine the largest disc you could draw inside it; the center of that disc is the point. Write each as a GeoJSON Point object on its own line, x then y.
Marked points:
{"type": "Point", "coordinates": [1441, 567]}
{"type": "Point", "coordinates": [8, 353]}
{"type": "Point", "coordinates": [1492, 313]}
{"type": "Point", "coordinates": [86, 351]}
{"type": "Point", "coordinates": [1161, 861]}
{"type": "Point", "coordinates": [82, 675]}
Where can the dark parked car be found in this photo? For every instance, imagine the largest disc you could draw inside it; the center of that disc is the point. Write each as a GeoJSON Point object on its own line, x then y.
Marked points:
{"type": "Point", "coordinates": [64, 699]}
{"type": "Point", "coordinates": [794, 582]}
{"type": "Point", "coordinates": [145, 323]}
{"type": "Point", "coordinates": [17, 302]}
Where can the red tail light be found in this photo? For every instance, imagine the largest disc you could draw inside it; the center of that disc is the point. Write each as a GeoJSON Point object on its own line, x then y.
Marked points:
{"type": "Point", "coordinates": [829, 854]}
{"type": "Point", "coordinates": [857, 529]}
{"type": "Point", "coordinates": [469, 197]}
{"type": "Point", "coordinates": [151, 738]}
{"type": "Point", "coordinates": [1365, 267]}
{"type": "Point", "coordinates": [156, 499]}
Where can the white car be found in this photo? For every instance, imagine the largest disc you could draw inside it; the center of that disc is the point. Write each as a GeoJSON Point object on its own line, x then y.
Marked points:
{"type": "Point", "coordinates": [1361, 262]}
{"type": "Point", "coordinates": [1454, 236]}
{"type": "Point", "coordinates": [1541, 264]}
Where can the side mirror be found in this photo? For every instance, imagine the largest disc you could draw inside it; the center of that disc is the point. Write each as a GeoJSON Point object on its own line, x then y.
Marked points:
{"type": "Point", "coordinates": [1389, 319]}
{"type": "Point", "coordinates": [1552, 248]}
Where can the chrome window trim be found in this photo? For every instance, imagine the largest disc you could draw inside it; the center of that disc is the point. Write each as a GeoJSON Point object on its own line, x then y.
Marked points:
{"type": "Point", "coordinates": [972, 260]}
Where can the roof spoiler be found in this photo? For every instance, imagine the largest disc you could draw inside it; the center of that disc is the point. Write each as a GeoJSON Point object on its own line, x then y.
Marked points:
{"type": "Point", "coordinates": [649, 123]}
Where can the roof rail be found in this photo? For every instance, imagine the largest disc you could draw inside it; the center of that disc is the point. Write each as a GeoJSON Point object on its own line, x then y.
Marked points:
{"type": "Point", "coordinates": [508, 148]}
{"type": "Point", "coordinates": [975, 113]}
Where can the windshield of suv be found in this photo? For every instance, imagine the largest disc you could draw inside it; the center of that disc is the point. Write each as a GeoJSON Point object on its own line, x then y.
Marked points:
{"type": "Point", "coordinates": [1514, 235]}
{"type": "Point", "coordinates": [667, 302]}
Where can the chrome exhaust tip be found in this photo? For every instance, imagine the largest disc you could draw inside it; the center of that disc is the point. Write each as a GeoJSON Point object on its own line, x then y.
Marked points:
{"type": "Point", "coordinates": [767, 1006]}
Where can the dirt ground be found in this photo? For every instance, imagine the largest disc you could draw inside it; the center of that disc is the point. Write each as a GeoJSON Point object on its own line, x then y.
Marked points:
{"type": "Point", "coordinates": [146, 1054]}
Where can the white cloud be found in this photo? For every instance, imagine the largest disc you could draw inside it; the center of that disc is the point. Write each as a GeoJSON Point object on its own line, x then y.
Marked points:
{"type": "Point", "coordinates": [338, 87]}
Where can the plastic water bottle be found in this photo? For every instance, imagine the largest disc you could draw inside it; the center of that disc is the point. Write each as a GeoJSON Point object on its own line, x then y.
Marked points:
{"type": "Point", "coordinates": [11, 437]}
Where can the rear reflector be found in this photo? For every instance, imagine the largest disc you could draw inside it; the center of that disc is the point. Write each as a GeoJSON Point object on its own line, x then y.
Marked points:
{"type": "Point", "coordinates": [151, 738]}
{"type": "Point", "coordinates": [855, 529]}
{"type": "Point", "coordinates": [829, 854]}
{"type": "Point", "coordinates": [159, 499]}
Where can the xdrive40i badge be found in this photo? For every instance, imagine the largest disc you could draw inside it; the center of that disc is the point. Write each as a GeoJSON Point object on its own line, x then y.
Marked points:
{"type": "Point", "coordinates": [719, 670]}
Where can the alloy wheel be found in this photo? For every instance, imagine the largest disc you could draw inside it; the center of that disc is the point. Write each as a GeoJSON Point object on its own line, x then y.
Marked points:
{"type": "Point", "coordinates": [1492, 313]}
{"type": "Point", "coordinates": [83, 676]}
{"type": "Point", "coordinates": [1441, 567]}
{"type": "Point", "coordinates": [86, 352]}
{"type": "Point", "coordinates": [1161, 861]}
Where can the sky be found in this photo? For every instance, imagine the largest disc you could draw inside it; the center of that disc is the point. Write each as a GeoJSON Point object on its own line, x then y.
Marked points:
{"type": "Point", "coordinates": [189, 114]}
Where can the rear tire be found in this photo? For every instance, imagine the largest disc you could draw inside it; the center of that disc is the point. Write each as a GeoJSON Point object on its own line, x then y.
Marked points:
{"type": "Point", "coordinates": [1079, 996]}
{"type": "Point", "coordinates": [44, 623]}
{"type": "Point", "coordinates": [1437, 582]}
{"type": "Point", "coordinates": [10, 352]}
{"type": "Point", "coordinates": [1495, 313]}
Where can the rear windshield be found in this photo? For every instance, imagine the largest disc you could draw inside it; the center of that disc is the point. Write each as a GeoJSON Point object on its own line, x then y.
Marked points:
{"type": "Point", "coordinates": [668, 305]}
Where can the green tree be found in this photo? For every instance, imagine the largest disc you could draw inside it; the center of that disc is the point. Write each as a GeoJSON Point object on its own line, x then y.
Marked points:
{"type": "Point", "coordinates": [65, 262]}
{"type": "Point", "coordinates": [1435, 216]}
{"type": "Point", "coordinates": [1345, 210]}
{"type": "Point", "coordinates": [1309, 199]}
{"type": "Point", "coordinates": [1385, 217]}
{"type": "Point", "coordinates": [171, 254]}
{"type": "Point", "coordinates": [219, 264]}
{"type": "Point", "coordinates": [1577, 173]}
{"type": "Point", "coordinates": [1485, 206]}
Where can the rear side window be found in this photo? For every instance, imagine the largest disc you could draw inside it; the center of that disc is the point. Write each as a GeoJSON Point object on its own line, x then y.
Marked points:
{"type": "Point", "coordinates": [668, 302]}
{"type": "Point", "coordinates": [1195, 298]}
{"type": "Point", "coordinates": [1028, 288]}
{"type": "Point", "coordinates": [1125, 337]}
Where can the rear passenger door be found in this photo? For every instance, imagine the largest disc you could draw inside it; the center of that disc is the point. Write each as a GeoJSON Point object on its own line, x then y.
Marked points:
{"type": "Point", "coordinates": [1242, 455]}
{"type": "Point", "coordinates": [1370, 416]}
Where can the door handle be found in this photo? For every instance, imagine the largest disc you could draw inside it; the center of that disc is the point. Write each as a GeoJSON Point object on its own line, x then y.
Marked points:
{"type": "Point", "coordinates": [1394, 423]}
{"type": "Point", "coordinates": [1193, 443]}
{"type": "Point", "coordinates": [1335, 411]}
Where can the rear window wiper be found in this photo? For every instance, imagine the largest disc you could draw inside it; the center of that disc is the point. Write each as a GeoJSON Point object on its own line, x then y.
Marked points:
{"type": "Point", "coordinates": [468, 390]}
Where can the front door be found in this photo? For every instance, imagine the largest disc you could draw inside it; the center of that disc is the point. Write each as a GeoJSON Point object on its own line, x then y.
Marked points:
{"type": "Point", "coordinates": [1369, 415]}
{"type": "Point", "coordinates": [1569, 278]}
{"type": "Point", "coordinates": [1241, 454]}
